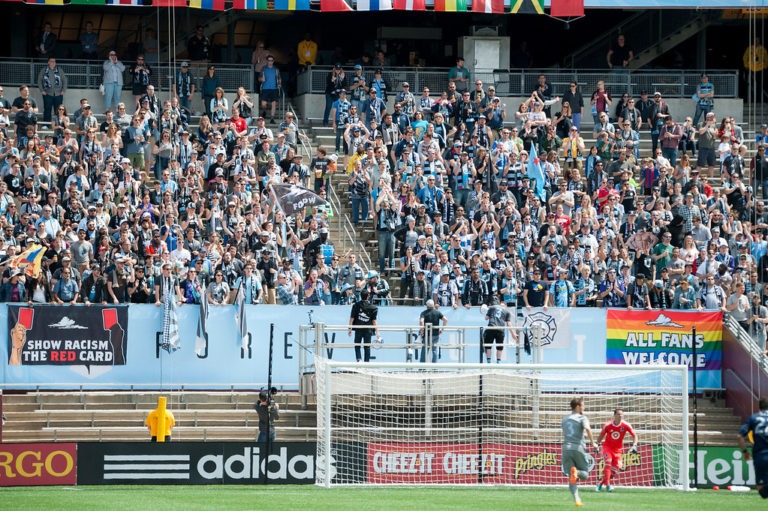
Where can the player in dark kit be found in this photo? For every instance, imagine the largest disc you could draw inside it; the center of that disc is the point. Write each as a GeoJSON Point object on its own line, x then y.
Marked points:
{"type": "Point", "coordinates": [364, 313]}
{"type": "Point", "coordinates": [497, 316]}
{"type": "Point", "coordinates": [757, 425]}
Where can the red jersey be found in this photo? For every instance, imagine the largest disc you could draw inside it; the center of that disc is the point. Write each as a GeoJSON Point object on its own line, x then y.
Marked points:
{"type": "Point", "coordinates": [613, 435]}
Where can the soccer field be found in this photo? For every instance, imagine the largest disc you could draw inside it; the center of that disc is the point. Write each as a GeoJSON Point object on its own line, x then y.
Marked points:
{"type": "Point", "coordinates": [311, 498]}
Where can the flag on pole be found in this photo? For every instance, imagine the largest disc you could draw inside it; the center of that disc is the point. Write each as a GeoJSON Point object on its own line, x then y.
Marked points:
{"type": "Point", "coordinates": [291, 5]}
{"type": "Point", "coordinates": [292, 199]}
{"type": "Point", "coordinates": [250, 5]}
{"type": "Point", "coordinates": [87, 2]}
{"type": "Point", "coordinates": [534, 172]}
{"type": "Point", "coordinates": [451, 5]}
{"type": "Point", "coordinates": [201, 339]}
{"type": "Point", "coordinates": [45, 2]}
{"type": "Point", "coordinates": [30, 260]}
{"type": "Point", "coordinates": [488, 6]}
{"type": "Point", "coordinates": [240, 318]}
{"type": "Point", "coordinates": [335, 6]}
{"type": "Point", "coordinates": [170, 341]}
{"type": "Point", "coordinates": [409, 5]}
{"type": "Point", "coordinates": [527, 7]}
{"type": "Point", "coordinates": [125, 2]}
{"type": "Point", "coordinates": [566, 8]}
{"type": "Point", "coordinates": [210, 5]}
{"type": "Point", "coordinates": [169, 3]}
{"type": "Point", "coordinates": [374, 5]}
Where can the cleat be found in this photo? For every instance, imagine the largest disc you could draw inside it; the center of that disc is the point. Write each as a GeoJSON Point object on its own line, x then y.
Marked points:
{"type": "Point", "coordinates": [573, 477]}
{"type": "Point", "coordinates": [599, 487]}
{"type": "Point", "coordinates": [579, 503]}
{"type": "Point", "coordinates": [609, 489]}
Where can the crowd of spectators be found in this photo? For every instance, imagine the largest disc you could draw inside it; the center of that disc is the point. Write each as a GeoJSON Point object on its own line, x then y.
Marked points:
{"type": "Point", "coordinates": [120, 198]}
{"type": "Point", "coordinates": [622, 217]}
{"type": "Point", "coordinates": [443, 177]}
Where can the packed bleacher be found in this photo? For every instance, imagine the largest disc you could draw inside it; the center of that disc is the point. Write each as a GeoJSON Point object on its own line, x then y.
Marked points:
{"type": "Point", "coordinates": [473, 201]}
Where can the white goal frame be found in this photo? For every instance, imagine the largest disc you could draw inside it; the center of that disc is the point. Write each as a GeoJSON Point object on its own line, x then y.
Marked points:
{"type": "Point", "coordinates": [325, 370]}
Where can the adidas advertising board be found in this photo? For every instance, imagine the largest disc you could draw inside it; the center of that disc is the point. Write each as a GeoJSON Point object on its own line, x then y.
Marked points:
{"type": "Point", "coordinates": [201, 463]}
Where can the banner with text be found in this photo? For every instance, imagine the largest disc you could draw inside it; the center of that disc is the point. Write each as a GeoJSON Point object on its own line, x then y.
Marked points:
{"type": "Point", "coordinates": [38, 464]}
{"type": "Point", "coordinates": [666, 337]}
{"type": "Point", "coordinates": [525, 464]}
{"type": "Point", "coordinates": [48, 335]}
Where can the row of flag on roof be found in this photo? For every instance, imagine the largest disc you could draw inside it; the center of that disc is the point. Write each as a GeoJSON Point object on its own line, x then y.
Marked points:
{"type": "Point", "coordinates": [558, 8]}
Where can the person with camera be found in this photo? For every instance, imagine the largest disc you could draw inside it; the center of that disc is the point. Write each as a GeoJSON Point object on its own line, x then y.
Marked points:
{"type": "Point", "coordinates": [364, 314]}
{"type": "Point", "coordinates": [141, 74]}
{"type": "Point", "coordinates": [140, 290]}
{"type": "Point", "coordinates": [118, 280]}
{"type": "Point", "coordinates": [269, 412]}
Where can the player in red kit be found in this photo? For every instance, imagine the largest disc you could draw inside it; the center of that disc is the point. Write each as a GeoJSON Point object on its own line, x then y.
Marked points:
{"type": "Point", "coordinates": [612, 438]}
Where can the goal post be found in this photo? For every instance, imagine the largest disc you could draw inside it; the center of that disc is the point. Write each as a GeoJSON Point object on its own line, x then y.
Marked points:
{"type": "Point", "coordinates": [459, 424]}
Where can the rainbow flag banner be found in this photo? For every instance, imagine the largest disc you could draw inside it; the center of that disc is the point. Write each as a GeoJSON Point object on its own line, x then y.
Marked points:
{"type": "Point", "coordinates": [665, 337]}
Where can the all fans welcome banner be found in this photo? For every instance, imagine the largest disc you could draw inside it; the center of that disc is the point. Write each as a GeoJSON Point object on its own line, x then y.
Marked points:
{"type": "Point", "coordinates": [666, 337]}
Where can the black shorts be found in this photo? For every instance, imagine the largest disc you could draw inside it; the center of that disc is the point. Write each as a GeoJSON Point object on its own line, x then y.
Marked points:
{"type": "Point", "coordinates": [269, 95]}
{"type": "Point", "coordinates": [706, 157]}
{"type": "Point", "coordinates": [496, 336]}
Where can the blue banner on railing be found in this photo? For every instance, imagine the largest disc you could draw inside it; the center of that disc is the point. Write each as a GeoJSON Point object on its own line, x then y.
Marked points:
{"type": "Point", "coordinates": [571, 336]}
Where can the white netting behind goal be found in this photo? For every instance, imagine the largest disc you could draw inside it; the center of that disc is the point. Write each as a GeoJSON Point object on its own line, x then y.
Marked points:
{"type": "Point", "coordinates": [491, 424]}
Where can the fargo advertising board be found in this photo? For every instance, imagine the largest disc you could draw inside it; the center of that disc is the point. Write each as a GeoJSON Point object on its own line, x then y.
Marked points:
{"type": "Point", "coordinates": [38, 464]}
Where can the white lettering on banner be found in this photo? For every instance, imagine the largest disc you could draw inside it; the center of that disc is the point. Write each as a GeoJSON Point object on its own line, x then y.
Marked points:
{"type": "Point", "coordinates": [460, 463]}
{"type": "Point", "coordinates": [667, 340]}
{"type": "Point", "coordinates": [250, 465]}
{"type": "Point", "coordinates": [635, 358]}
{"type": "Point", "coordinates": [403, 462]}
{"type": "Point", "coordinates": [40, 344]}
{"type": "Point", "coordinates": [718, 470]}
{"type": "Point", "coordinates": [86, 344]}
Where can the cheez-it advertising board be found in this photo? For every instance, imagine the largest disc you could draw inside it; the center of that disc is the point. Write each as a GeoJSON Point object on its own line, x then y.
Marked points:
{"type": "Point", "coordinates": [38, 464]}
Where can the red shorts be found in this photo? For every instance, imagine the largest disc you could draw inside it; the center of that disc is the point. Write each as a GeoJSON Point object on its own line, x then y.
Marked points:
{"type": "Point", "coordinates": [613, 459]}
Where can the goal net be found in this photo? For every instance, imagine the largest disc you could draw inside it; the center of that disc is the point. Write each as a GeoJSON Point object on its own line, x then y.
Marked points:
{"type": "Point", "coordinates": [492, 424]}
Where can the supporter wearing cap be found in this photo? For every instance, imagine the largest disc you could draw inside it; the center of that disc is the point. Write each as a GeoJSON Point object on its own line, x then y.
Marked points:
{"type": "Point", "coordinates": [658, 114]}
{"type": "Point", "coordinates": [459, 75]}
{"type": "Point", "coordinates": [340, 116]}
{"type": "Point", "coordinates": [406, 100]}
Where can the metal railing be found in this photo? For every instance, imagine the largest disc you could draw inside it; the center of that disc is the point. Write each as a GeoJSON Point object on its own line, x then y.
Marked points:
{"type": "Point", "coordinates": [747, 341]}
{"type": "Point", "coordinates": [87, 75]}
{"type": "Point", "coordinates": [318, 340]}
{"type": "Point", "coordinates": [521, 82]}
{"type": "Point", "coordinates": [642, 31]}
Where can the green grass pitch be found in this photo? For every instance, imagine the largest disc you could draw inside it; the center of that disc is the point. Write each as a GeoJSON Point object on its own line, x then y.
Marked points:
{"type": "Point", "coordinates": [311, 498]}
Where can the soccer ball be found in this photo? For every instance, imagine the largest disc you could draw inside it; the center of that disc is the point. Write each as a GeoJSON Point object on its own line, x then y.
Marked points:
{"type": "Point", "coordinates": [483, 309]}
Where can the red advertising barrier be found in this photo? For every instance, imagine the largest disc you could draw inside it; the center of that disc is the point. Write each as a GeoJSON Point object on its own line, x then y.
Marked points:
{"type": "Point", "coordinates": [38, 464]}
{"type": "Point", "coordinates": [525, 464]}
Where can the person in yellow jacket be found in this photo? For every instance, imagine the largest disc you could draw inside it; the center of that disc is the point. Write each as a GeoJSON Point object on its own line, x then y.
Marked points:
{"type": "Point", "coordinates": [307, 51]}
{"type": "Point", "coordinates": [160, 420]}
{"type": "Point", "coordinates": [755, 62]}
{"type": "Point", "coordinates": [755, 57]}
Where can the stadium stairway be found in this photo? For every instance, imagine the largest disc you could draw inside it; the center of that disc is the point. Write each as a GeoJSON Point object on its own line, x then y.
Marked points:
{"type": "Point", "coordinates": [118, 416]}
{"type": "Point", "coordinates": [106, 416]}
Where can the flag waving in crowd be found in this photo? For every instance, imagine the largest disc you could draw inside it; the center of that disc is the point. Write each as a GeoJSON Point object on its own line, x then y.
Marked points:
{"type": "Point", "coordinates": [292, 199]}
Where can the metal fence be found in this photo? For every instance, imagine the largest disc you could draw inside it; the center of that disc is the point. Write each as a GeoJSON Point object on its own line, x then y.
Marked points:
{"type": "Point", "coordinates": [87, 75]}
{"type": "Point", "coordinates": [519, 82]}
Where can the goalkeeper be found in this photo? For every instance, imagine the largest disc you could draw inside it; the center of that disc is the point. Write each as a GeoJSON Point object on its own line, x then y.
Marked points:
{"type": "Point", "coordinates": [612, 437]}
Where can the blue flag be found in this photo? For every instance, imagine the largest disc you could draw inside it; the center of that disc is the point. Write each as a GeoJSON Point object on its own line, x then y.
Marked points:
{"type": "Point", "coordinates": [535, 173]}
